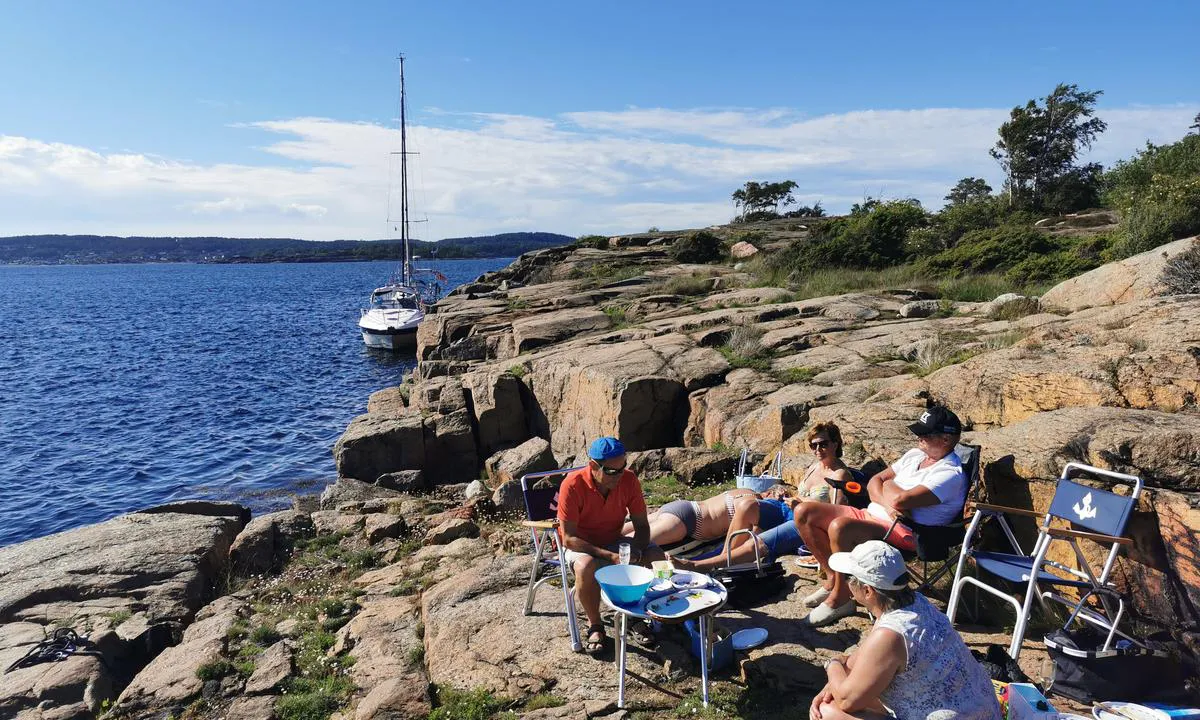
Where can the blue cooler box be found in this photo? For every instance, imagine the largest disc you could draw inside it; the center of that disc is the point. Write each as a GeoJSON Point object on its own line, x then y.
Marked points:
{"type": "Point", "coordinates": [722, 650]}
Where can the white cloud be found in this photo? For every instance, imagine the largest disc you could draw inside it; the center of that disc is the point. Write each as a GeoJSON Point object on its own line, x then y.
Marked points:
{"type": "Point", "coordinates": [577, 173]}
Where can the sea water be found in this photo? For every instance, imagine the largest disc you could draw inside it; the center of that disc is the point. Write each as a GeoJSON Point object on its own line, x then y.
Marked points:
{"type": "Point", "coordinates": [125, 386]}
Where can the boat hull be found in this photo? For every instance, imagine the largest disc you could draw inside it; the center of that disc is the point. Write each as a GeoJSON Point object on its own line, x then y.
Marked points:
{"type": "Point", "coordinates": [392, 340]}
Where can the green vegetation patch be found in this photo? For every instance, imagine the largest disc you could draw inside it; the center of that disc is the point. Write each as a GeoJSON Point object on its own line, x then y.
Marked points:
{"type": "Point", "coordinates": [475, 704]}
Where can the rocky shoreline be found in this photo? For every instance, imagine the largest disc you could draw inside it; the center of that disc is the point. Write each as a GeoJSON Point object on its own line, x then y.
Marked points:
{"type": "Point", "coordinates": [399, 592]}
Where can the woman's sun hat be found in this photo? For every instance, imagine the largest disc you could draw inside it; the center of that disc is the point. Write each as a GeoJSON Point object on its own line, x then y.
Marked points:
{"type": "Point", "coordinates": [873, 563]}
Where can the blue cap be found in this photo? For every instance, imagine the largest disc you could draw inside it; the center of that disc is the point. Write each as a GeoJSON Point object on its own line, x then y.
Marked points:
{"type": "Point", "coordinates": [606, 448]}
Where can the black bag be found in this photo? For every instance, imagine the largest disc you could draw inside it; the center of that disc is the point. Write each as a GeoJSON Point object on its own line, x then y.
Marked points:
{"type": "Point", "coordinates": [1083, 671]}
{"type": "Point", "coordinates": [748, 585]}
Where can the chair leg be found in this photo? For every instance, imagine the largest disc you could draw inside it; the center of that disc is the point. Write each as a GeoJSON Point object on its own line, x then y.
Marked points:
{"type": "Point", "coordinates": [1032, 591]}
{"type": "Point", "coordinates": [569, 600]}
{"type": "Point", "coordinates": [959, 580]}
{"type": "Point", "coordinates": [531, 592]}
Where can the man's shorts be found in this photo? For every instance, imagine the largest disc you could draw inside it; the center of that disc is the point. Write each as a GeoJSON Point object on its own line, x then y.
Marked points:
{"type": "Point", "coordinates": [572, 555]}
{"type": "Point", "coordinates": [901, 536]}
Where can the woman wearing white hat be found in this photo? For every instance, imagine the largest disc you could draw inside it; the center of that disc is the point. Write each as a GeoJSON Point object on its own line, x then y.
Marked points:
{"type": "Point", "coordinates": [912, 665]}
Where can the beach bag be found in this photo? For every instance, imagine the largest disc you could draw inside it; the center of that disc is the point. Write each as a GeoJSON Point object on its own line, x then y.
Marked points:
{"type": "Point", "coordinates": [1085, 672]}
{"type": "Point", "coordinates": [750, 584]}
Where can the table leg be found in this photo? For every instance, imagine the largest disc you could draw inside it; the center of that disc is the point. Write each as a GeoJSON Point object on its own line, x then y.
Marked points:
{"type": "Point", "coordinates": [704, 650]}
{"type": "Point", "coordinates": [624, 621]}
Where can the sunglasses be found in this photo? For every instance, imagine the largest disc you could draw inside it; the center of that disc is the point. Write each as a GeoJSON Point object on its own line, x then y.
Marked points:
{"type": "Point", "coordinates": [818, 445]}
{"type": "Point", "coordinates": [613, 471]}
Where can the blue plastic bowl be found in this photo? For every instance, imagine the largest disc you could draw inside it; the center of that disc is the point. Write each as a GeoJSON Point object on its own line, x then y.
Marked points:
{"type": "Point", "coordinates": [625, 584]}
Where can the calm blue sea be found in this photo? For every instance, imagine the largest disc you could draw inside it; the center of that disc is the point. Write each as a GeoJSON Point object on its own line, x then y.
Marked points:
{"type": "Point", "coordinates": [123, 386]}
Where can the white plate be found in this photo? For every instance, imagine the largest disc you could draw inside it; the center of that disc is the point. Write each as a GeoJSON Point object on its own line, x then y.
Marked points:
{"type": "Point", "coordinates": [808, 562]}
{"type": "Point", "coordinates": [686, 602]}
{"type": "Point", "coordinates": [689, 580]}
{"type": "Point", "coordinates": [749, 638]}
{"type": "Point", "coordinates": [1128, 711]}
{"type": "Point", "coordinates": [661, 587]}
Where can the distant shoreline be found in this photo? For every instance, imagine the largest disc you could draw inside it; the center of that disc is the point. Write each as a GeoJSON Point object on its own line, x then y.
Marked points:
{"type": "Point", "coordinates": [109, 250]}
{"type": "Point", "coordinates": [248, 261]}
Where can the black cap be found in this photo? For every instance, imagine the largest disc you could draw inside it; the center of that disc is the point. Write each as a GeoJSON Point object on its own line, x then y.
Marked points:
{"type": "Point", "coordinates": [937, 419]}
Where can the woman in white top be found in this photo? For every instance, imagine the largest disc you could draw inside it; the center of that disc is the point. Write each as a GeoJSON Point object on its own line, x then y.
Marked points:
{"type": "Point", "coordinates": [926, 483]}
{"type": "Point", "coordinates": [912, 665]}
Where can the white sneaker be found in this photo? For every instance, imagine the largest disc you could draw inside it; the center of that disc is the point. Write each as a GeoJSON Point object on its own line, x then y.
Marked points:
{"type": "Point", "coordinates": [816, 598]}
{"type": "Point", "coordinates": [823, 615]}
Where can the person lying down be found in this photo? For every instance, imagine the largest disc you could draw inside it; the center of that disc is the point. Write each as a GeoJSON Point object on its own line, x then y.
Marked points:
{"type": "Point", "coordinates": [707, 519]}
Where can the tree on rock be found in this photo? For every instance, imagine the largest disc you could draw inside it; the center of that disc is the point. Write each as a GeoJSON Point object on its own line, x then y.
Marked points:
{"type": "Point", "coordinates": [1194, 128]}
{"type": "Point", "coordinates": [1038, 148]}
{"type": "Point", "coordinates": [967, 190]}
{"type": "Point", "coordinates": [762, 200]}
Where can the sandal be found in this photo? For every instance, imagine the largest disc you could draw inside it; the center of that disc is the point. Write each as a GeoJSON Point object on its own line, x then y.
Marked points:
{"type": "Point", "coordinates": [642, 634]}
{"type": "Point", "coordinates": [596, 639]}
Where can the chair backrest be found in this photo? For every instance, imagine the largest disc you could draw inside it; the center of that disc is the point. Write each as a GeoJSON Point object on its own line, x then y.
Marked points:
{"type": "Point", "coordinates": [1097, 510]}
{"type": "Point", "coordinates": [968, 455]}
{"type": "Point", "coordinates": [541, 502]}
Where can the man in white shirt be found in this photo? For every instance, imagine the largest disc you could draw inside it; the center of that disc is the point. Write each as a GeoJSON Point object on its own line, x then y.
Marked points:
{"type": "Point", "coordinates": [926, 483]}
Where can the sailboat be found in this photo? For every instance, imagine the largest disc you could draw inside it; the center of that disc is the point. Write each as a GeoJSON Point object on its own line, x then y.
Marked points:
{"type": "Point", "coordinates": [397, 308]}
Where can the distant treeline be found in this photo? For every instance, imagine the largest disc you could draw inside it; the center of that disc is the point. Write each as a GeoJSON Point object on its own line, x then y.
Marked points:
{"type": "Point", "coordinates": [84, 249]}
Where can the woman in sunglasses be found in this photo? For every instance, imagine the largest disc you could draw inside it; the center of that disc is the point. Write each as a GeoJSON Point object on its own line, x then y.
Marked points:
{"type": "Point", "coordinates": [825, 442]}
{"type": "Point", "coordinates": [771, 516]}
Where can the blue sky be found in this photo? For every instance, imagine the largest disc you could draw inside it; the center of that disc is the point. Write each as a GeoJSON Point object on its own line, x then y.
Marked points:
{"type": "Point", "coordinates": [271, 118]}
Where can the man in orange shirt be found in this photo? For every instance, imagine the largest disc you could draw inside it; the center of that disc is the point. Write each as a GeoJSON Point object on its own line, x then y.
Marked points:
{"type": "Point", "coordinates": [592, 505]}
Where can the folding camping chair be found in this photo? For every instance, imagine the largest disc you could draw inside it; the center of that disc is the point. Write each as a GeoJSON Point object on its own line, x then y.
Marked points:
{"type": "Point", "coordinates": [772, 475]}
{"type": "Point", "coordinates": [941, 545]}
{"type": "Point", "coordinates": [1102, 514]}
{"type": "Point", "coordinates": [548, 555]}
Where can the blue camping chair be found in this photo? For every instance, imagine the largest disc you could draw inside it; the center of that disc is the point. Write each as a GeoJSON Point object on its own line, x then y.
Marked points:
{"type": "Point", "coordinates": [1102, 514]}
{"type": "Point", "coordinates": [549, 560]}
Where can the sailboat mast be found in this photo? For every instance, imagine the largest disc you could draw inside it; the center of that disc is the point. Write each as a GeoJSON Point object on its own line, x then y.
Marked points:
{"type": "Point", "coordinates": [404, 230]}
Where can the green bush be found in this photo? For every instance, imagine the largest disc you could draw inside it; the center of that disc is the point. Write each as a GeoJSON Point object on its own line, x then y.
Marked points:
{"type": "Point", "coordinates": [698, 247]}
{"type": "Point", "coordinates": [990, 250]}
{"type": "Point", "coordinates": [596, 242]}
{"type": "Point", "coordinates": [872, 238]}
{"type": "Point", "coordinates": [1167, 209]}
{"type": "Point", "coordinates": [1129, 179]}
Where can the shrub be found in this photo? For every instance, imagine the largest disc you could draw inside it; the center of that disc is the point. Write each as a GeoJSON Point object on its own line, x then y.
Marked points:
{"type": "Point", "coordinates": [1181, 276]}
{"type": "Point", "coordinates": [596, 242]}
{"type": "Point", "coordinates": [807, 211]}
{"type": "Point", "coordinates": [698, 247]}
{"type": "Point", "coordinates": [1016, 309]}
{"type": "Point", "coordinates": [982, 251]}
{"type": "Point", "coordinates": [872, 238]}
{"type": "Point", "coordinates": [263, 635]}
{"type": "Point", "coordinates": [744, 349]}
{"type": "Point", "coordinates": [1166, 210]}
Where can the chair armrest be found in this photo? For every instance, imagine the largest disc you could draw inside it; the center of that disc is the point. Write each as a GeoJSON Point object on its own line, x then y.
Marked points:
{"type": "Point", "coordinates": [1065, 533]}
{"type": "Point", "coordinates": [540, 524]}
{"type": "Point", "coordinates": [986, 507]}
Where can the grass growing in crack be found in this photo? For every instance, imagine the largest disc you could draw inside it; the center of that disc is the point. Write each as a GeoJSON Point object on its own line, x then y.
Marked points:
{"type": "Point", "coordinates": [416, 655]}
{"type": "Point", "coordinates": [1015, 309]}
{"type": "Point", "coordinates": [214, 670]}
{"type": "Point", "coordinates": [1003, 340]}
{"type": "Point", "coordinates": [476, 704]}
{"type": "Point", "coordinates": [544, 700]}
{"type": "Point", "coordinates": [313, 698]}
{"type": "Point", "coordinates": [517, 371]}
{"type": "Point", "coordinates": [796, 375]}
{"type": "Point", "coordinates": [616, 313]}
{"type": "Point", "coordinates": [118, 616]}
{"type": "Point", "coordinates": [264, 635]}
{"type": "Point", "coordinates": [938, 352]}
{"type": "Point", "coordinates": [744, 349]}
{"type": "Point", "coordinates": [688, 285]}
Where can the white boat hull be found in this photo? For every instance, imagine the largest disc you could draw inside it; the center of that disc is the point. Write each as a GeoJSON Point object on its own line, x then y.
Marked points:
{"type": "Point", "coordinates": [389, 329]}
{"type": "Point", "coordinates": [394, 342]}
